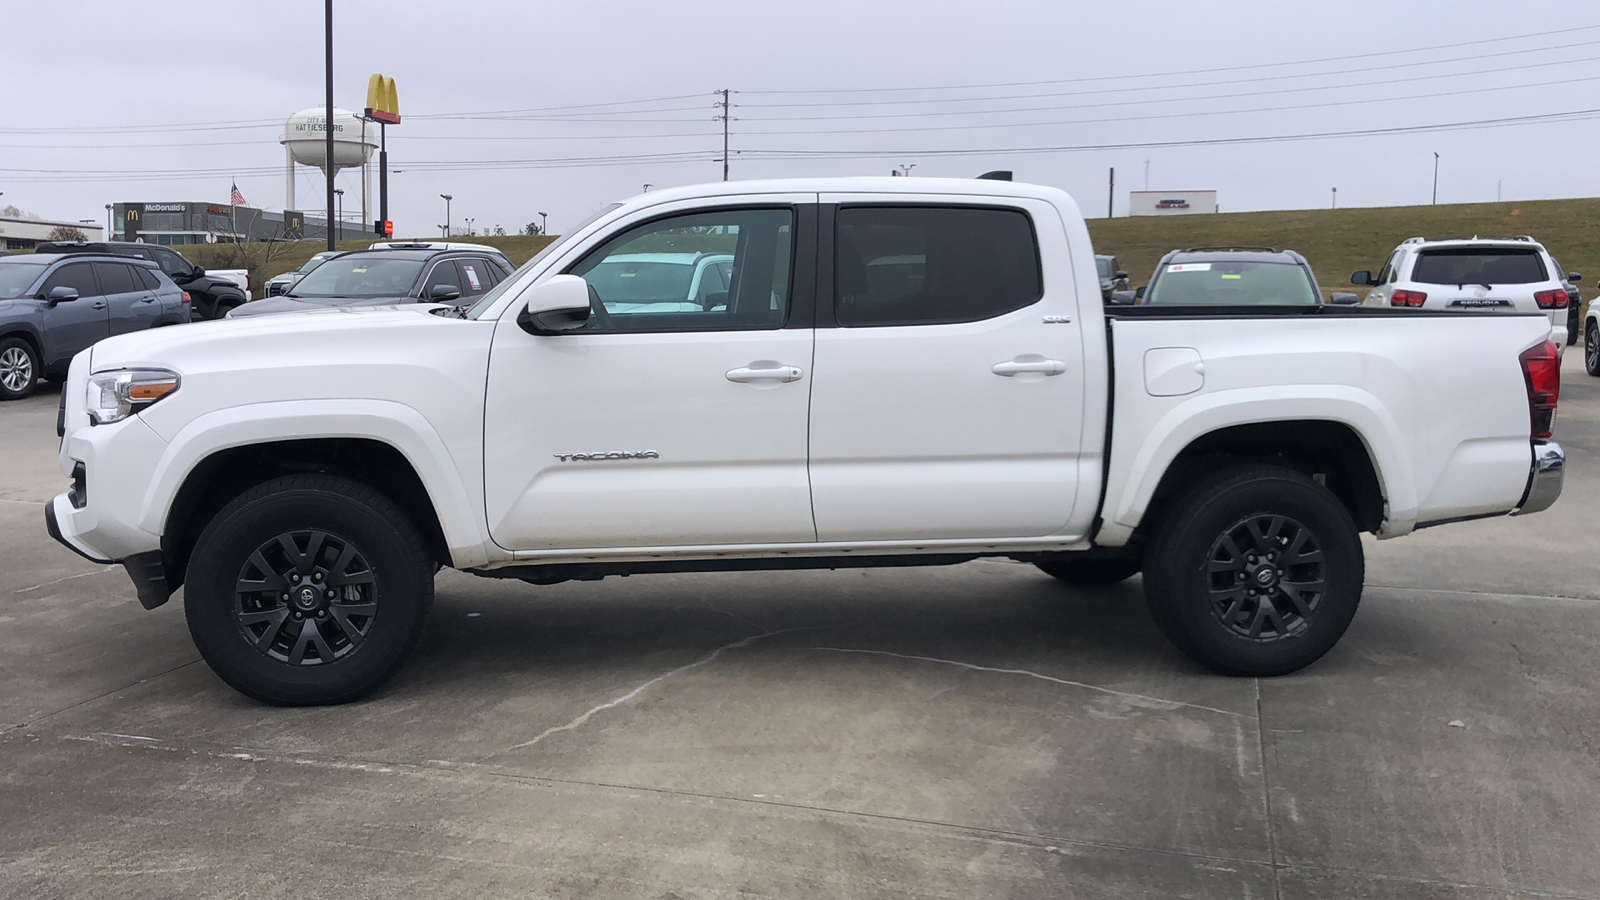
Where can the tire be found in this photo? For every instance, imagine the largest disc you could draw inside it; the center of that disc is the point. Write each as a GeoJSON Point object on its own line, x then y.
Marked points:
{"type": "Point", "coordinates": [1091, 572]}
{"type": "Point", "coordinates": [1572, 326]}
{"type": "Point", "coordinates": [348, 541]}
{"type": "Point", "coordinates": [19, 368]}
{"type": "Point", "coordinates": [1199, 588]}
{"type": "Point", "coordinates": [1591, 348]}
{"type": "Point", "coordinates": [56, 378]}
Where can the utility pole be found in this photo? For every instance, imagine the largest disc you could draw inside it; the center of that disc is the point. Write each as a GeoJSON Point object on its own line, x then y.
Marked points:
{"type": "Point", "coordinates": [1111, 194]}
{"type": "Point", "coordinates": [327, 125]}
{"type": "Point", "coordinates": [1436, 179]}
{"type": "Point", "coordinates": [1147, 174]}
{"type": "Point", "coordinates": [725, 105]}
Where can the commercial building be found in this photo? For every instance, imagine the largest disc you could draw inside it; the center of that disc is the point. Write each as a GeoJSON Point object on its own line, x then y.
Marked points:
{"type": "Point", "coordinates": [18, 233]}
{"type": "Point", "coordinates": [182, 222]}
{"type": "Point", "coordinates": [1171, 203]}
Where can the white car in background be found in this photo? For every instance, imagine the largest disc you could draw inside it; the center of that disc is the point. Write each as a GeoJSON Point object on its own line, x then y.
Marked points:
{"type": "Point", "coordinates": [662, 282]}
{"type": "Point", "coordinates": [280, 284]}
{"type": "Point", "coordinates": [1472, 273]}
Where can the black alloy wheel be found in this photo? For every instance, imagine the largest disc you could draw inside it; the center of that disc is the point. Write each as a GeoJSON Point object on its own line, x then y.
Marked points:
{"type": "Point", "coordinates": [308, 589]}
{"type": "Point", "coordinates": [306, 598]}
{"type": "Point", "coordinates": [1255, 570]}
{"type": "Point", "coordinates": [1266, 575]}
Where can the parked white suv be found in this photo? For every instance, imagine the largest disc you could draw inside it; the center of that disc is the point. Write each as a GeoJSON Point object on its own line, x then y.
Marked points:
{"type": "Point", "coordinates": [1472, 273]}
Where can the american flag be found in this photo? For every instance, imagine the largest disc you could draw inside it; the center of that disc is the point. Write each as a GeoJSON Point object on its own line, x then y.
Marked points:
{"type": "Point", "coordinates": [237, 199]}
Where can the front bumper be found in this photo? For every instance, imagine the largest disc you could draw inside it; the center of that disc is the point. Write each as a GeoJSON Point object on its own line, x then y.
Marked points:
{"type": "Point", "coordinates": [1544, 479]}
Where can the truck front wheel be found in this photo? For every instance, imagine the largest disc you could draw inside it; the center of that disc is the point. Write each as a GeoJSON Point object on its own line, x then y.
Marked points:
{"type": "Point", "coordinates": [308, 589]}
{"type": "Point", "coordinates": [1257, 570]}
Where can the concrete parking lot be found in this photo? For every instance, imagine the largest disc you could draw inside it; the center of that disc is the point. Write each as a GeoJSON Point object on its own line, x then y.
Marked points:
{"type": "Point", "coordinates": [974, 731]}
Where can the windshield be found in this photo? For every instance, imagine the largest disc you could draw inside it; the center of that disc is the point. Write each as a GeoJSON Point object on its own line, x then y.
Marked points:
{"type": "Point", "coordinates": [1479, 265]}
{"type": "Point", "coordinates": [488, 300]}
{"type": "Point", "coordinates": [15, 279]}
{"type": "Point", "coordinates": [628, 281]}
{"type": "Point", "coordinates": [1234, 284]}
{"type": "Point", "coordinates": [358, 276]}
{"type": "Point", "coordinates": [1104, 265]}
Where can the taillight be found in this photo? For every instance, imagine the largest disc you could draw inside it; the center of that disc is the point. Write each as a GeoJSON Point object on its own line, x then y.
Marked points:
{"type": "Point", "coordinates": [1541, 369]}
{"type": "Point", "coordinates": [186, 297]}
{"type": "Point", "coordinates": [1551, 299]}
{"type": "Point", "coordinates": [1408, 298]}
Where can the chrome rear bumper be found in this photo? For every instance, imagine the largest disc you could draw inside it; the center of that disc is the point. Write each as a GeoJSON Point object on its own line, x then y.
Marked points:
{"type": "Point", "coordinates": [1544, 481]}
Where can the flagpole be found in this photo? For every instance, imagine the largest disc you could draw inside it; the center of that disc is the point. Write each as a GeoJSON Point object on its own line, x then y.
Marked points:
{"type": "Point", "coordinates": [233, 208]}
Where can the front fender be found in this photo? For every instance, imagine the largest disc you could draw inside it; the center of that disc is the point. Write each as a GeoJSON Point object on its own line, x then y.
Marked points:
{"type": "Point", "coordinates": [395, 424]}
{"type": "Point", "coordinates": [1132, 484]}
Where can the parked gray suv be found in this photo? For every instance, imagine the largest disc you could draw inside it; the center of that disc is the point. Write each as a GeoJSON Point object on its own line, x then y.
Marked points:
{"type": "Point", "coordinates": [53, 305]}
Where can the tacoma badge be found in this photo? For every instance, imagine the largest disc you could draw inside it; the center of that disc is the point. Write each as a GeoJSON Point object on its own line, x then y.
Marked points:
{"type": "Point", "coordinates": [610, 454]}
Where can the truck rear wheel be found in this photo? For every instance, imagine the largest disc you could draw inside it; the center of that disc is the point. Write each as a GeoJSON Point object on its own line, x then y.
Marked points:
{"type": "Point", "coordinates": [1091, 572]}
{"type": "Point", "coordinates": [308, 589]}
{"type": "Point", "coordinates": [1255, 571]}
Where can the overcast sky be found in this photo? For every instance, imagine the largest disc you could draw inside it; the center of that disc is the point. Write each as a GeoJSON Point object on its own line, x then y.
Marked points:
{"type": "Point", "coordinates": [94, 90]}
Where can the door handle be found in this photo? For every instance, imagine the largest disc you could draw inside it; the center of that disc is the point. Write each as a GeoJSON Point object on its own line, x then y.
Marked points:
{"type": "Point", "coordinates": [765, 370]}
{"type": "Point", "coordinates": [147, 299]}
{"type": "Point", "coordinates": [98, 304]}
{"type": "Point", "coordinates": [1029, 364]}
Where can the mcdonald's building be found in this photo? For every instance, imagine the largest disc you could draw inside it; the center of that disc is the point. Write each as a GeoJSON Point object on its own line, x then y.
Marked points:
{"type": "Point", "coordinates": [189, 222]}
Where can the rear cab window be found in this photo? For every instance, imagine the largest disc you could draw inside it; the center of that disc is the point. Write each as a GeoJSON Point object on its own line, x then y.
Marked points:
{"type": "Point", "coordinates": [1479, 265]}
{"type": "Point", "coordinates": [933, 265]}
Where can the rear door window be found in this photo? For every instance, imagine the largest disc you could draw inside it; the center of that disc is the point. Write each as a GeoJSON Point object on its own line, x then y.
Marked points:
{"type": "Point", "coordinates": [444, 273]}
{"type": "Point", "coordinates": [475, 277]}
{"type": "Point", "coordinates": [1479, 265]}
{"type": "Point", "coordinates": [932, 265]}
{"type": "Point", "coordinates": [115, 278]}
{"type": "Point", "coordinates": [147, 278]}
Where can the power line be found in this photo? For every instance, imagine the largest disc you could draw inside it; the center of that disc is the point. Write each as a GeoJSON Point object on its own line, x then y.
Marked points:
{"type": "Point", "coordinates": [1207, 71]}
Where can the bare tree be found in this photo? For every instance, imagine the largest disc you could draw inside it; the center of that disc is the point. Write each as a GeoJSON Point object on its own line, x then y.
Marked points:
{"type": "Point", "coordinates": [67, 233]}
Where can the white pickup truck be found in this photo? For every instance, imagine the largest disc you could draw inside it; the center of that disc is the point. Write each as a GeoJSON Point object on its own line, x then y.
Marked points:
{"type": "Point", "coordinates": [904, 372]}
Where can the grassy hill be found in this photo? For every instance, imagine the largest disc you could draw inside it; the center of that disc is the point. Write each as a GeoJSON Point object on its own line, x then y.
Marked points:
{"type": "Point", "coordinates": [1336, 242]}
{"type": "Point", "coordinates": [288, 257]}
{"type": "Point", "coordinates": [1340, 241]}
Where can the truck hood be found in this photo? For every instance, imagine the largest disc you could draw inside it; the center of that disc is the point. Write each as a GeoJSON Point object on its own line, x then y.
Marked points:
{"type": "Point", "coordinates": [266, 337]}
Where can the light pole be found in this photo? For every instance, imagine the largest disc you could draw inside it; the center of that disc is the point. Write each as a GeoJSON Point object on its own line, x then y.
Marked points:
{"type": "Point", "coordinates": [447, 199]}
{"type": "Point", "coordinates": [1335, 198]}
{"type": "Point", "coordinates": [108, 221]}
{"type": "Point", "coordinates": [544, 226]}
{"type": "Point", "coordinates": [340, 193]}
{"type": "Point", "coordinates": [647, 187]}
{"type": "Point", "coordinates": [1436, 179]}
{"type": "Point", "coordinates": [470, 220]}
{"type": "Point", "coordinates": [905, 169]}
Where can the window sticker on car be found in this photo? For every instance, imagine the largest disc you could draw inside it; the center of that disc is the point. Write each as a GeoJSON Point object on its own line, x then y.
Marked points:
{"type": "Point", "coordinates": [1234, 277]}
{"type": "Point", "coordinates": [359, 271]}
{"type": "Point", "coordinates": [472, 276]}
{"type": "Point", "coordinates": [1190, 267]}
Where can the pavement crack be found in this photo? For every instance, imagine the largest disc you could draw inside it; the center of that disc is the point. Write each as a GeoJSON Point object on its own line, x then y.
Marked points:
{"type": "Point", "coordinates": [35, 721]}
{"type": "Point", "coordinates": [581, 720]}
{"type": "Point", "coordinates": [100, 571]}
{"type": "Point", "coordinates": [1468, 592]}
{"type": "Point", "coordinates": [1266, 798]}
{"type": "Point", "coordinates": [1145, 698]}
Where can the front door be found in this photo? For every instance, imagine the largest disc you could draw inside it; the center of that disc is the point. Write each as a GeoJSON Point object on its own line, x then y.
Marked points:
{"type": "Point", "coordinates": [948, 396]}
{"type": "Point", "coordinates": [75, 324]}
{"type": "Point", "coordinates": [662, 422]}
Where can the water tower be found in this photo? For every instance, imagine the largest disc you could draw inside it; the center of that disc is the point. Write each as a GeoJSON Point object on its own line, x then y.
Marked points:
{"type": "Point", "coordinates": [305, 143]}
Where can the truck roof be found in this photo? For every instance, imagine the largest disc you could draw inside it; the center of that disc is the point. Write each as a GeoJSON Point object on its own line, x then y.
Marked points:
{"type": "Point", "coordinates": [864, 184]}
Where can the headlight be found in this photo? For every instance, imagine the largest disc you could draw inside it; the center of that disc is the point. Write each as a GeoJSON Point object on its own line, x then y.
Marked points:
{"type": "Point", "coordinates": [116, 395]}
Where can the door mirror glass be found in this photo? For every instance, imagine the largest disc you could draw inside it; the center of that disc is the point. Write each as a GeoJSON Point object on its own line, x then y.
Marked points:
{"type": "Point", "coordinates": [1139, 294]}
{"type": "Point", "coordinates": [61, 294]}
{"type": "Point", "coordinates": [1339, 299]}
{"type": "Point", "coordinates": [1362, 277]}
{"type": "Point", "coordinates": [443, 293]}
{"type": "Point", "coordinates": [557, 305]}
{"type": "Point", "coordinates": [1121, 298]}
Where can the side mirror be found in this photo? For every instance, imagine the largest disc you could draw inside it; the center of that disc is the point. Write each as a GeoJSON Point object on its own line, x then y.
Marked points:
{"type": "Point", "coordinates": [61, 294]}
{"type": "Point", "coordinates": [1363, 277]}
{"type": "Point", "coordinates": [714, 299]}
{"type": "Point", "coordinates": [1338, 299]}
{"type": "Point", "coordinates": [560, 304]}
{"type": "Point", "coordinates": [444, 293]}
{"type": "Point", "coordinates": [1574, 277]}
{"type": "Point", "coordinates": [196, 271]}
{"type": "Point", "coordinates": [1120, 276]}
{"type": "Point", "coordinates": [1121, 298]}
{"type": "Point", "coordinates": [1138, 294]}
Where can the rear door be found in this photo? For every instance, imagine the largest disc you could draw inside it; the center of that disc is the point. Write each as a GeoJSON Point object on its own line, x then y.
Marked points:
{"type": "Point", "coordinates": [443, 274]}
{"type": "Point", "coordinates": [948, 397]}
{"type": "Point", "coordinates": [477, 276]}
{"type": "Point", "coordinates": [130, 305]}
{"type": "Point", "coordinates": [76, 324]}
